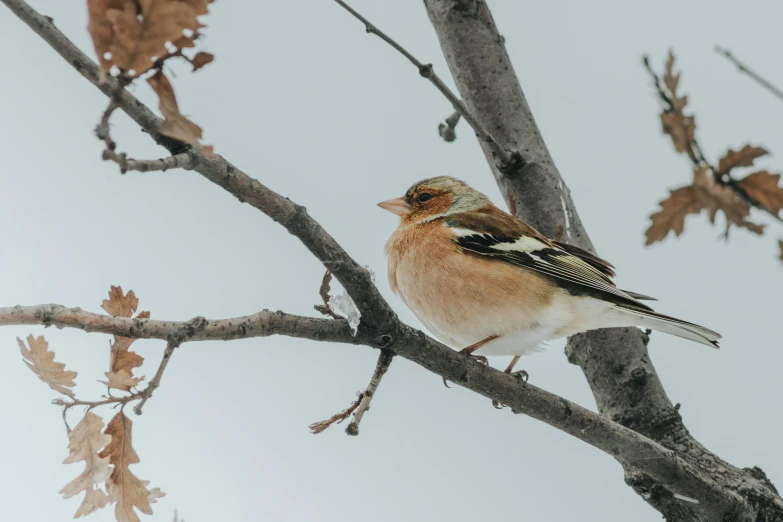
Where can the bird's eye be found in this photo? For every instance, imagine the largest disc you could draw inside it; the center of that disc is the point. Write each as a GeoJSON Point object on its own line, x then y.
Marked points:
{"type": "Point", "coordinates": [424, 197]}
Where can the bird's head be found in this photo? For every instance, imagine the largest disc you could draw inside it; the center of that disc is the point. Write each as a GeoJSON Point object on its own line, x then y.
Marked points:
{"type": "Point", "coordinates": [434, 198]}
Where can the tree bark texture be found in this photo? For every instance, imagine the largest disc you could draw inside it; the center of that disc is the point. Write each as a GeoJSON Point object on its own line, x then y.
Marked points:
{"type": "Point", "coordinates": [615, 361]}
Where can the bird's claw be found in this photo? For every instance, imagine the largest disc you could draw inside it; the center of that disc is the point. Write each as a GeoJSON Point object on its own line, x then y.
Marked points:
{"type": "Point", "coordinates": [521, 375]}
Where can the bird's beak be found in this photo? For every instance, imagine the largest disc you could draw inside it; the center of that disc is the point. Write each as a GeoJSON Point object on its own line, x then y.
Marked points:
{"type": "Point", "coordinates": [396, 206]}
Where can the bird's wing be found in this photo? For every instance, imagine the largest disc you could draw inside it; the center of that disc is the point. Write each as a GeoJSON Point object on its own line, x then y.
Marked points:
{"type": "Point", "coordinates": [503, 237]}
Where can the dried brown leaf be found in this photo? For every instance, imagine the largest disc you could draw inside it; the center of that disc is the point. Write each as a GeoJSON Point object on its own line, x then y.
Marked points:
{"type": "Point", "coordinates": [681, 129]}
{"type": "Point", "coordinates": [123, 360]}
{"type": "Point", "coordinates": [132, 34]}
{"type": "Point", "coordinates": [41, 361]}
{"type": "Point", "coordinates": [122, 379]}
{"type": "Point", "coordinates": [175, 124]}
{"type": "Point", "coordinates": [742, 158]}
{"type": "Point", "coordinates": [119, 304]}
{"type": "Point", "coordinates": [671, 217]}
{"type": "Point", "coordinates": [127, 490]}
{"type": "Point", "coordinates": [86, 440]}
{"type": "Point", "coordinates": [201, 59]}
{"type": "Point", "coordinates": [764, 188]}
{"type": "Point", "coordinates": [672, 81]}
{"type": "Point", "coordinates": [704, 194]}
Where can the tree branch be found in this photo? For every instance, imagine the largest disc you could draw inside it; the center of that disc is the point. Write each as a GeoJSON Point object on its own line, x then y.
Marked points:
{"type": "Point", "coordinates": [384, 360]}
{"type": "Point", "coordinates": [628, 447]}
{"type": "Point", "coordinates": [376, 313]}
{"type": "Point", "coordinates": [261, 324]}
{"type": "Point", "coordinates": [615, 362]}
{"type": "Point", "coordinates": [500, 154]}
{"type": "Point", "coordinates": [750, 72]}
{"type": "Point", "coordinates": [181, 161]}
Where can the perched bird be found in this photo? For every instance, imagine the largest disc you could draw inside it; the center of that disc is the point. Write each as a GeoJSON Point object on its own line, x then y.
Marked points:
{"type": "Point", "coordinates": [485, 282]}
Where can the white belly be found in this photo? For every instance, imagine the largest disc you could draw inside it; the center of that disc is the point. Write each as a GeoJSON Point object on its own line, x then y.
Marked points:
{"type": "Point", "coordinates": [521, 331]}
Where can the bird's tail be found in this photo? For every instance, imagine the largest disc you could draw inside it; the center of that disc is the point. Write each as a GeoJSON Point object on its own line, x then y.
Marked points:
{"type": "Point", "coordinates": [670, 325]}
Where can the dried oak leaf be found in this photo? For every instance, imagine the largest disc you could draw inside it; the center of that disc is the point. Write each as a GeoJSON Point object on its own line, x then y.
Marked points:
{"type": "Point", "coordinates": [764, 188]}
{"type": "Point", "coordinates": [671, 217]}
{"type": "Point", "coordinates": [85, 441]}
{"type": "Point", "coordinates": [742, 158]}
{"type": "Point", "coordinates": [201, 59]}
{"type": "Point", "coordinates": [125, 488]}
{"type": "Point", "coordinates": [132, 34]}
{"type": "Point", "coordinates": [703, 194]}
{"type": "Point", "coordinates": [674, 122]}
{"type": "Point", "coordinates": [672, 81]}
{"type": "Point", "coordinates": [123, 360]}
{"type": "Point", "coordinates": [174, 125]}
{"type": "Point", "coordinates": [681, 129]}
{"type": "Point", "coordinates": [41, 361]}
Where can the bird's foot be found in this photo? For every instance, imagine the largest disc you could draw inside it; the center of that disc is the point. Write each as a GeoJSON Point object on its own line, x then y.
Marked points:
{"type": "Point", "coordinates": [469, 352]}
{"type": "Point", "coordinates": [521, 375]}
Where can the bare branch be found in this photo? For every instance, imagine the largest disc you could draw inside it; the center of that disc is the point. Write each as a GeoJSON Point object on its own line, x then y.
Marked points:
{"type": "Point", "coordinates": [750, 72]}
{"type": "Point", "coordinates": [261, 324]}
{"type": "Point", "coordinates": [182, 160]}
{"type": "Point", "coordinates": [384, 360]}
{"type": "Point", "coordinates": [502, 156]}
{"type": "Point", "coordinates": [155, 381]}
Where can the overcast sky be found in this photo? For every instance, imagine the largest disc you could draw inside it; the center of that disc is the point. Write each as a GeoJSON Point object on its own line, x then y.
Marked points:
{"type": "Point", "coordinates": [302, 99]}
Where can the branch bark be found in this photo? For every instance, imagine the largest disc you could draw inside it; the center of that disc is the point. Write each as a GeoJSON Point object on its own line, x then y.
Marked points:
{"type": "Point", "coordinates": [615, 362]}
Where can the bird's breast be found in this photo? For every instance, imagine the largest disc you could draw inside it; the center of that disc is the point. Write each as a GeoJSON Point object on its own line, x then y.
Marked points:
{"type": "Point", "coordinates": [462, 298]}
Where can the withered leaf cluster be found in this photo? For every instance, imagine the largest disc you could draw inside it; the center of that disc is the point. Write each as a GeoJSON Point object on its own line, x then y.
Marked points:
{"type": "Point", "coordinates": [136, 36]}
{"type": "Point", "coordinates": [107, 454]}
{"type": "Point", "coordinates": [713, 189]}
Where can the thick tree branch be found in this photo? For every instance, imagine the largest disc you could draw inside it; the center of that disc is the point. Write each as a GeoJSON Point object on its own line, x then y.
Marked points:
{"type": "Point", "coordinates": [627, 446]}
{"type": "Point", "coordinates": [615, 362]}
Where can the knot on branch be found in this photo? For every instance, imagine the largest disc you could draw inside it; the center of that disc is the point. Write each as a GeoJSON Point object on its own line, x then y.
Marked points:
{"type": "Point", "coordinates": [425, 70]}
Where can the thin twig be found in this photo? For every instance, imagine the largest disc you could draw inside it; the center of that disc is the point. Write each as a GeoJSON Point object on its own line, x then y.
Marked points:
{"type": "Point", "coordinates": [103, 130]}
{"type": "Point", "coordinates": [142, 395]}
{"type": "Point", "coordinates": [155, 381]}
{"type": "Point", "coordinates": [426, 71]}
{"type": "Point", "coordinates": [447, 130]}
{"type": "Point", "coordinates": [337, 418]}
{"type": "Point", "coordinates": [750, 72]}
{"type": "Point", "coordinates": [384, 360]}
{"type": "Point", "coordinates": [183, 160]}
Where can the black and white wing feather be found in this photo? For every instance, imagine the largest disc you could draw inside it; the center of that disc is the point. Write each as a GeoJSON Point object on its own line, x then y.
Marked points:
{"type": "Point", "coordinates": [582, 273]}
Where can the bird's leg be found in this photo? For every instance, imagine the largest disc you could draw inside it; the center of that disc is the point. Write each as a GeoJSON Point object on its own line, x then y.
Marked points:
{"type": "Point", "coordinates": [521, 374]}
{"type": "Point", "coordinates": [475, 346]}
{"type": "Point", "coordinates": [472, 348]}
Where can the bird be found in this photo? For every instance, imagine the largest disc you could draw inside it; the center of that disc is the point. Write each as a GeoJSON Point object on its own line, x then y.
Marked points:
{"type": "Point", "coordinates": [486, 283]}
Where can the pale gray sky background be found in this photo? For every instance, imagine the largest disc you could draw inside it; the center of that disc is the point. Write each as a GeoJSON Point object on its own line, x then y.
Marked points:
{"type": "Point", "coordinates": [301, 98]}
